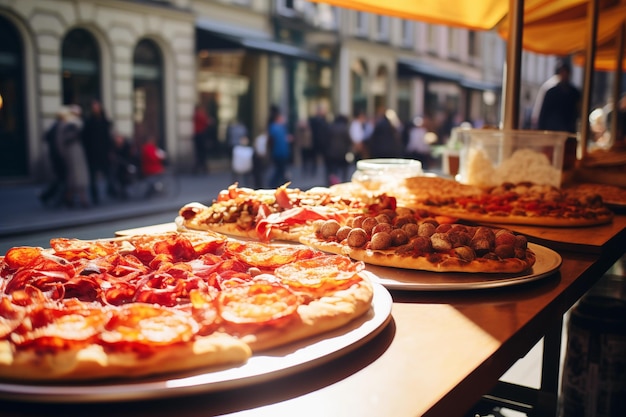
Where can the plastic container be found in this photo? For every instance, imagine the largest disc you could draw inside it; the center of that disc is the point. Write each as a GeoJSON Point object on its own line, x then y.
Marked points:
{"type": "Point", "coordinates": [491, 157]}
{"type": "Point", "coordinates": [383, 174]}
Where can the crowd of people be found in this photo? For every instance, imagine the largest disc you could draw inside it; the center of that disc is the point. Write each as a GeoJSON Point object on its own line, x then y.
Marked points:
{"type": "Point", "coordinates": [87, 151]}
{"type": "Point", "coordinates": [331, 143]}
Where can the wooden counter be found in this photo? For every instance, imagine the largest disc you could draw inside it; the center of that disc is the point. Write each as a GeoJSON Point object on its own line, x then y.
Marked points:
{"type": "Point", "coordinates": [439, 353]}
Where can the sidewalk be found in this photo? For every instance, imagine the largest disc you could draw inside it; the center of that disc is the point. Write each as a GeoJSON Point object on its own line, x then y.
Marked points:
{"type": "Point", "coordinates": [21, 212]}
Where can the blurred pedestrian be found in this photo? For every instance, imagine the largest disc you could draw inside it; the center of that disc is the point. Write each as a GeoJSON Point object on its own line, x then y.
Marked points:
{"type": "Point", "coordinates": [153, 161]}
{"type": "Point", "coordinates": [242, 161]}
{"type": "Point", "coordinates": [124, 164]}
{"type": "Point", "coordinates": [358, 133]}
{"type": "Point", "coordinates": [304, 141]}
{"type": "Point", "coordinates": [320, 132]}
{"type": "Point", "coordinates": [385, 141]}
{"type": "Point", "coordinates": [69, 141]}
{"type": "Point", "coordinates": [561, 105]}
{"type": "Point", "coordinates": [98, 142]}
{"type": "Point", "coordinates": [337, 151]}
{"type": "Point", "coordinates": [235, 132]}
{"type": "Point", "coordinates": [152, 158]}
{"type": "Point", "coordinates": [201, 125]}
{"type": "Point", "coordinates": [260, 159]}
{"type": "Point", "coordinates": [54, 191]}
{"type": "Point", "coordinates": [417, 146]}
{"type": "Point", "coordinates": [280, 147]}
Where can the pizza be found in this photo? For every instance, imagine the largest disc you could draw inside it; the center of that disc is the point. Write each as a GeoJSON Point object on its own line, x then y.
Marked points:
{"type": "Point", "coordinates": [612, 195]}
{"type": "Point", "coordinates": [404, 238]}
{"type": "Point", "coordinates": [272, 214]}
{"type": "Point", "coordinates": [170, 302]}
{"type": "Point", "coordinates": [521, 203]}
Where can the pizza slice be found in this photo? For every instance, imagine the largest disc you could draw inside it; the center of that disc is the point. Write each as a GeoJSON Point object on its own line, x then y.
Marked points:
{"type": "Point", "coordinates": [522, 203]}
{"type": "Point", "coordinates": [281, 214]}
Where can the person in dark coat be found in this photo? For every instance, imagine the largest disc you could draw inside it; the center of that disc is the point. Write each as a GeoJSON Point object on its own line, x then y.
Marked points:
{"type": "Point", "coordinates": [98, 144]}
{"type": "Point", "coordinates": [320, 133]}
{"type": "Point", "coordinates": [54, 192]}
{"type": "Point", "coordinates": [339, 145]}
{"type": "Point", "coordinates": [561, 104]}
{"type": "Point", "coordinates": [385, 141]}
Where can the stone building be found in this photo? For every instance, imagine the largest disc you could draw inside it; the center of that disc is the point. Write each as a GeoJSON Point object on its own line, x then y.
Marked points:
{"type": "Point", "coordinates": [150, 61]}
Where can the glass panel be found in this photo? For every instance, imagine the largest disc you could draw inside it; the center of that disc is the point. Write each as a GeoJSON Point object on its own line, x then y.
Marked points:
{"type": "Point", "coordinates": [148, 93]}
{"type": "Point", "coordinates": [13, 142]}
{"type": "Point", "coordinates": [81, 68]}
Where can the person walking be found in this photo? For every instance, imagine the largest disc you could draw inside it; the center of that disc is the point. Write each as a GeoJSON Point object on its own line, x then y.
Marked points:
{"type": "Point", "coordinates": [69, 141]}
{"type": "Point", "coordinates": [201, 125]}
{"type": "Point", "coordinates": [280, 147]}
{"type": "Point", "coordinates": [54, 192]}
{"type": "Point", "coordinates": [385, 141]}
{"type": "Point", "coordinates": [304, 142]}
{"type": "Point", "coordinates": [97, 140]}
{"type": "Point", "coordinates": [416, 146]}
{"type": "Point", "coordinates": [260, 159]}
{"type": "Point", "coordinates": [339, 145]}
{"type": "Point", "coordinates": [359, 133]}
{"type": "Point", "coordinates": [561, 104]}
{"type": "Point", "coordinates": [320, 132]}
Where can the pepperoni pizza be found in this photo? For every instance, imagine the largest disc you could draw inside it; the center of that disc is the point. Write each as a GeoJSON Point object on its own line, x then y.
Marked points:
{"type": "Point", "coordinates": [152, 304]}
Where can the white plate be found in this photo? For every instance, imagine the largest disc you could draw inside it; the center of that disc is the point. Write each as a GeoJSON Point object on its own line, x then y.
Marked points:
{"type": "Point", "coordinates": [259, 368]}
{"type": "Point", "coordinates": [547, 261]}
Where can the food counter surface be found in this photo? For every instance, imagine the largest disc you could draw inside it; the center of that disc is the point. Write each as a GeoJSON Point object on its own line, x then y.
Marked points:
{"type": "Point", "coordinates": [436, 354]}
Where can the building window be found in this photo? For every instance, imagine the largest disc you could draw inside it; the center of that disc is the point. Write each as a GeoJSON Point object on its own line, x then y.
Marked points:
{"type": "Point", "coordinates": [360, 26]}
{"type": "Point", "coordinates": [358, 79]}
{"type": "Point", "coordinates": [453, 43]}
{"type": "Point", "coordinates": [80, 68]}
{"type": "Point", "coordinates": [382, 27]}
{"type": "Point", "coordinates": [473, 46]}
{"type": "Point", "coordinates": [13, 146]}
{"type": "Point", "coordinates": [407, 33]}
{"type": "Point", "coordinates": [431, 39]}
{"type": "Point", "coordinates": [148, 93]}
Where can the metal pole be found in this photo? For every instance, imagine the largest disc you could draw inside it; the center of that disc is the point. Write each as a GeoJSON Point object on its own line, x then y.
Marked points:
{"type": "Point", "coordinates": [616, 133]}
{"type": "Point", "coordinates": [585, 129]}
{"type": "Point", "coordinates": [513, 65]}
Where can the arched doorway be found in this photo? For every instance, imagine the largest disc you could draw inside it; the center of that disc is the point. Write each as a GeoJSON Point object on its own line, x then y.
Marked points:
{"type": "Point", "coordinates": [13, 142]}
{"type": "Point", "coordinates": [358, 81]}
{"type": "Point", "coordinates": [148, 93]}
{"type": "Point", "coordinates": [380, 88]}
{"type": "Point", "coordinates": [80, 68]}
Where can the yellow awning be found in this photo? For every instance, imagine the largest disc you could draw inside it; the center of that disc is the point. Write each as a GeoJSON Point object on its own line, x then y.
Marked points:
{"type": "Point", "coordinates": [470, 14]}
{"type": "Point", "coordinates": [563, 31]}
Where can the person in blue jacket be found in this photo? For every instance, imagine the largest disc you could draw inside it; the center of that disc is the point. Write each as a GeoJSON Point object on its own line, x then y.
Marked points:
{"type": "Point", "coordinates": [280, 147]}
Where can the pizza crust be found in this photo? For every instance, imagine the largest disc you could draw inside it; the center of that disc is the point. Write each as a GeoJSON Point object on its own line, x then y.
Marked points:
{"type": "Point", "coordinates": [317, 317]}
{"type": "Point", "coordinates": [92, 362]}
{"type": "Point", "coordinates": [549, 221]}
{"type": "Point", "coordinates": [449, 264]}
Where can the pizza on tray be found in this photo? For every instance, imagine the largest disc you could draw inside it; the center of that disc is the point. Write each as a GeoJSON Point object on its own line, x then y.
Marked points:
{"type": "Point", "coordinates": [522, 203]}
{"type": "Point", "coordinates": [403, 238]}
{"type": "Point", "coordinates": [272, 214]}
{"type": "Point", "coordinates": [153, 304]}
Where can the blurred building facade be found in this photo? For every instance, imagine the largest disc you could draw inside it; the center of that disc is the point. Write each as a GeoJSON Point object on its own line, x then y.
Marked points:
{"type": "Point", "coordinates": [151, 61]}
